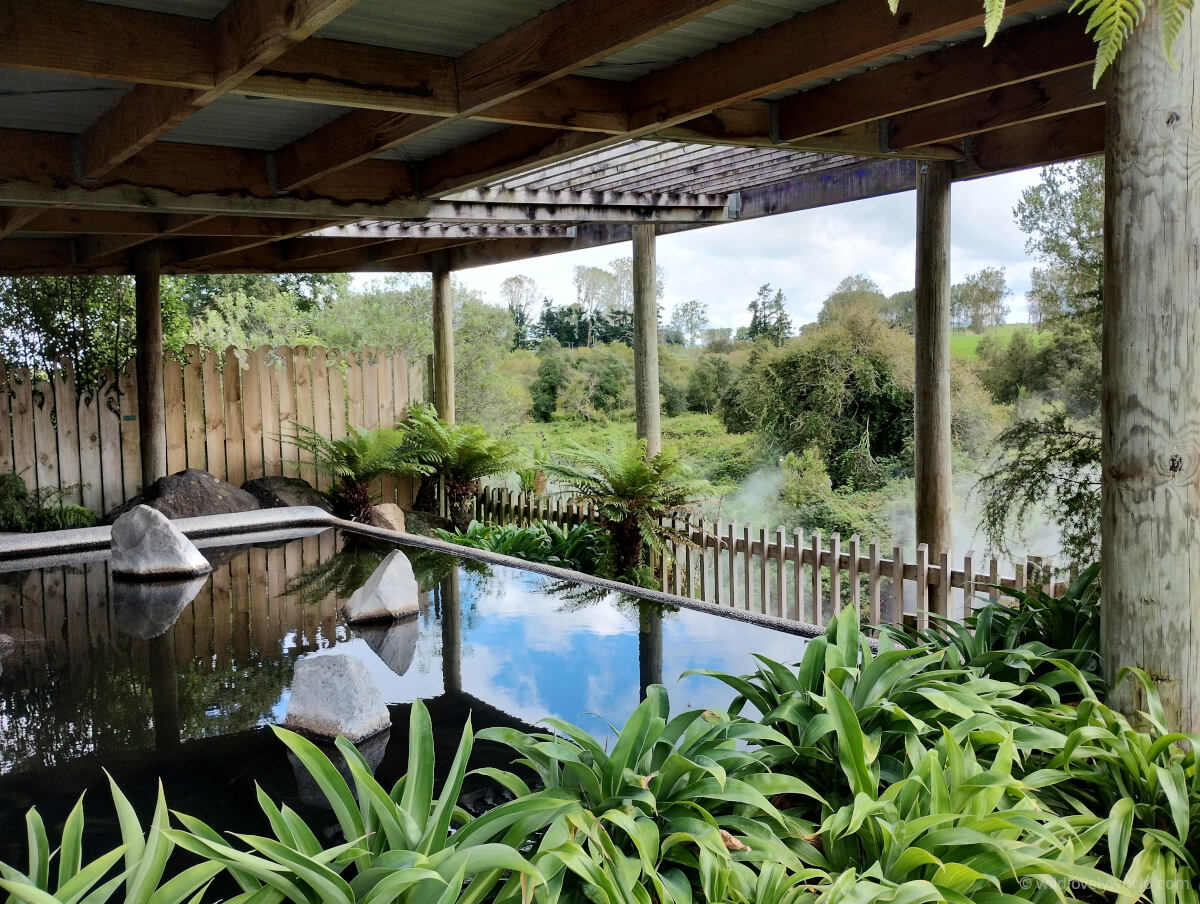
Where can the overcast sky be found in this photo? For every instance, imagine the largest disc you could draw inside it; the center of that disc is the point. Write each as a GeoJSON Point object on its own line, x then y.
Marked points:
{"type": "Point", "coordinates": [806, 254]}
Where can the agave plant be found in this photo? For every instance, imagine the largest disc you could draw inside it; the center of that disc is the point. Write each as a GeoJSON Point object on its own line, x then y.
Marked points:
{"type": "Point", "coordinates": [1024, 642]}
{"type": "Point", "coordinates": [358, 458]}
{"type": "Point", "coordinates": [138, 865]}
{"type": "Point", "coordinates": [637, 501]}
{"type": "Point", "coordinates": [461, 455]}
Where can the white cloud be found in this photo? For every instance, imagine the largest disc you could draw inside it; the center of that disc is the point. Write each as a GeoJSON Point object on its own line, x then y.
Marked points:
{"type": "Point", "coordinates": [806, 254]}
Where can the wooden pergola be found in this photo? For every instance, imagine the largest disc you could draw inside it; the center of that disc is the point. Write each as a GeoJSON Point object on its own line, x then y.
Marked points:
{"type": "Point", "coordinates": [191, 136]}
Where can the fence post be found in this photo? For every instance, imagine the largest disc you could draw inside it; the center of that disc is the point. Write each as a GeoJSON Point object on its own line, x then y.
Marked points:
{"type": "Point", "coordinates": [798, 575]}
{"type": "Point", "coordinates": [873, 573]}
{"type": "Point", "coordinates": [968, 583]}
{"type": "Point", "coordinates": [943, 593]}
{"type": "Point", "coordinates": [897, 585]}
{"type": "Point", "coordinates": [835, 575]}
{"type": "Point", "coordinates": [854, 594]}
{"type": "Point", "coordinates": [922, 586]}
{"type": "Point", "coordinates": [780, 577]}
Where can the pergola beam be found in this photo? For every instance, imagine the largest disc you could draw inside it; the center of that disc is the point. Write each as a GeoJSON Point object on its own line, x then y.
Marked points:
{"type": "Point", "coordinates": [1021, 53]}
{"type": "Point", "coordinates": [836, 37]}
{"type": "Point", "coordinates": [1040, 98]}
{"type": "Point", "coordinates": [245, 36]}
{"type": "Point", "coordinates": [533, 54]}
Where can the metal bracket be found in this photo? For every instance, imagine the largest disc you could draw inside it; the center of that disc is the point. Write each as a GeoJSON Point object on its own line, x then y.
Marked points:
{"type": "Point", "coordinates": [77, 161]}
{"type": "Point", "coordinates": [272, 177]}
{"type": "Point", "coordinates": [885, 144]}
{"type": "Point", "coordinates": [733, 205]}
{"type": "Point", "coordinates": [773, 122]}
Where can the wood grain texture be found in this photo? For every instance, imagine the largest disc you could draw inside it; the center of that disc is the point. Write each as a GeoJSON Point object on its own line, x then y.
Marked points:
{"type": "Point", "coordinates": [1150, 617]}
{"type": "Point", "coordinates": [931, 324]}
{"type": "Point", "coordinates": [645, 340]}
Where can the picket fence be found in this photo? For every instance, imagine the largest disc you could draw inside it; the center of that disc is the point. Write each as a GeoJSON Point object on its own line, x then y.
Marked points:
{"type": "Point", "coordinates": [798, 577]}
{"type": "Point", "coordinates": [229, 413]}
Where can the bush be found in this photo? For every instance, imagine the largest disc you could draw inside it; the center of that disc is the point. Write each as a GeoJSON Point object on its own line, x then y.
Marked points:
{"type": "Point", "coordinates": [583, 547]}
{"type": "Point", "coordinates": [707, 381]}
{"type": "Point", "coordinates": [25, 511]}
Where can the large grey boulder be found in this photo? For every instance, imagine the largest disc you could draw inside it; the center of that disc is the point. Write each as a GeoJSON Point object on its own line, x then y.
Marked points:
{"type": "Point", "coordinates": [391, 592]}
{"type": "Point", "coordinates": [147, 546]}
{"type": "Point", "coordinates": [148, 609]}
{"type": "Point", "coordinates": [283, 492]}
{"type": "Point", "coordinates": [333, 694]}
{"type": "Point", "coordinates": [425, 523]}
{"type": "Point", "coordinates": [188, 494]}
{"type": "Point", "coordinates": [394, 643]}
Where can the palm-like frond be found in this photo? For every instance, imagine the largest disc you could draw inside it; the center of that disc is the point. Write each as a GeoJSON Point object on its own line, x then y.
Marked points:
{"type": "Point", "coordinates": [362, 454]}
{"type": "Point", "coordinates": [638, 498]}
{"type": "Point", "coordinates": [459, 452]}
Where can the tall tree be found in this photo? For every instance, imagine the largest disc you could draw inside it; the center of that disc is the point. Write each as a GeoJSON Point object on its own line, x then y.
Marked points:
{"type": "Point", "coordinates": [595, 292]}
{"type": "Point", "coordinates": [851, 291]}
{"type": "Point", "coordinates": [520, 294]}
{"type": "Point", "coordinates": [769, 318]}
{"type": "Point", "coordinates": [978, 301]}
{"type": "Point", "coordinates": [1062, 217]}
{"type": "Point", "coordinates": [690, 318]}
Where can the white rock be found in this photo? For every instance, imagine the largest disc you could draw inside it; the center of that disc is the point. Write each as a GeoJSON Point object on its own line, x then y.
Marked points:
{"type": "Point", "coordinates": [148, 609]}
{"type": "Point", "coordinates": [388, 515]}
{"type": "Point", "coordinates": [334, 695]}
{"type": "Point", "coordinates": [394, 643]}
{"type": "Point", "coordinates": [145, 543]}
{"type": "Point", "coordinates": [391, 592]}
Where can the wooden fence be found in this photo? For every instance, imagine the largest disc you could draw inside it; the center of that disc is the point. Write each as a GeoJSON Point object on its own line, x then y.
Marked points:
{"type": "Point", "coordinates": [228, 412]}
{"type": "Point", "coordinates": [807, 578]}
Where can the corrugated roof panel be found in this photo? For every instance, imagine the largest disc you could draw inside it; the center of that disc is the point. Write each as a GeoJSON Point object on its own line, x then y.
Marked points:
{"type": "Point", "coordinates": [444, 138]}
{"type": "Point", "coordinates": [255, 123]}
{"type": "Point", "coordinates": [197, 9]}
{"type": "Point", "coordinates": [53, 103]}
{"type": "Point", "coordinates": [447, 27]}
{"type": "Point", "coordinates": [721, 27]}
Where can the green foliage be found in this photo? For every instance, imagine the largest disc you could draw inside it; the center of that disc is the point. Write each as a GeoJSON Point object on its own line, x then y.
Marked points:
{"type": "Point", "coordinates": [581, 547]}
{"type": "Point", "coordinates": [1045, 464]}
{"type": "Point", "coordinates": [358, 458]}
{"type": "Point", "coordinates": [828, 389]}
{"type": "Point", "coordinates": [978, 301]}
{"type": "Point", "coordinates": [1024, 642]}
{"type": "Point", "coordinates": [87, 320]}
{"type": "Point", "coordinates": [707, 381]}
{"type": "Point", "coordinates": [633, 495]}
{"type": "Point", "coordinates": [907, 773]}
{"type": "Point", "coordinates": [460, 454]}
{"type": "Point", "coordinates": [26, 511]}
{"type": "Point", "coordinates": [769, 318]}
{"type": "Point", "coordinates": [816, 505]}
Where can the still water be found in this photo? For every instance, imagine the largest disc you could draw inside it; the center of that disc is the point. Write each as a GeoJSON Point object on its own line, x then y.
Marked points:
{"type": "Point", "coordinates": [92, 679]}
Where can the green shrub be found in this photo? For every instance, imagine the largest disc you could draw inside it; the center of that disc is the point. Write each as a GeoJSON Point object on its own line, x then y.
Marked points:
{"type": "Point", "coordinates": [26, 511]}
{"type": "Point", "coordinates": [582, 547]}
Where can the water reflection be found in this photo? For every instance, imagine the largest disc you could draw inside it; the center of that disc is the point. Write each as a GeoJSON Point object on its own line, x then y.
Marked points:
{"type": "Point", "coordinates": [91, 685]}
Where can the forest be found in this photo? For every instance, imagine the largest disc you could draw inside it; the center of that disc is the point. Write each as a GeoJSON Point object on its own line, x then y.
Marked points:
{"type": "Point", "coordinates": [801, 425]}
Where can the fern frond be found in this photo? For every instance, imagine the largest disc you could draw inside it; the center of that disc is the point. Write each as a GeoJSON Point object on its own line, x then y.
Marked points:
{"type": "Point", "coordinates": [1111, 23]}
{"type": "Point", "coordinates": [1173, 16]}
{"type": "Point", "coordinates": [993, 15]}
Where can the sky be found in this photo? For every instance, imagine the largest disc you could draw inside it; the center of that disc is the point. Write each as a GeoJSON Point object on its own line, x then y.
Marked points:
{"type": "Point", "coordinates": [806, 254]}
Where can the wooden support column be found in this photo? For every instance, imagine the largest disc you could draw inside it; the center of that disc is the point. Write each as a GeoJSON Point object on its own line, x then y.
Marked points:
{"type": "Point", "coordinates": [1150, 617]}
{"type": "Point", "coordinates": [650, 647]}
{"type": "Point", "coordinates": [152, 423]}
{"type": "Point", "coordinates": [932, 328]}
{"type": "Point", "coordinates": [443, 342]}
{"type": "Point", "coordinates": [645, 339]}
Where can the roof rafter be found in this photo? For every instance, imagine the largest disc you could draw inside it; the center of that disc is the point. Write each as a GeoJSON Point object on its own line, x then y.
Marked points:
{"type": "Point", "coordinates": [529, 56]}
{"type": "Point", "coordinates": [245, 36]}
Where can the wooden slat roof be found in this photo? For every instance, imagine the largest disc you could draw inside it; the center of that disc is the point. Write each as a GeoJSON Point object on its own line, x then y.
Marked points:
{"type": "Point", "coordinates": [351, 135]}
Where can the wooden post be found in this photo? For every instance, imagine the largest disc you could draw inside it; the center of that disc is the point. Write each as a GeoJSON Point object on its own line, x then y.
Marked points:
{"type": "Point", "coordinates": [152, 418]}
{"type": "Point", "coordinates": [443, 343]}
{"type": "Point", "coordinates": [932, 328]}
{"type": "Point", "coordinates": [645, 339]}
{"type": "Point", "coordinates": [1151, 396]}
{"type": "Point", "coordinates": [650, 647]}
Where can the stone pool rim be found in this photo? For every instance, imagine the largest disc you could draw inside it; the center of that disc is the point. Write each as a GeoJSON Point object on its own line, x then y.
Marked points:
{"type": "Point", "coordinates": [22, 552]}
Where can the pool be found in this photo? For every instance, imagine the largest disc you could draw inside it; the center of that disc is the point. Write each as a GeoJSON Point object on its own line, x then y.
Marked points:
{"type": "Point", "coordinates": [90, 679]}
